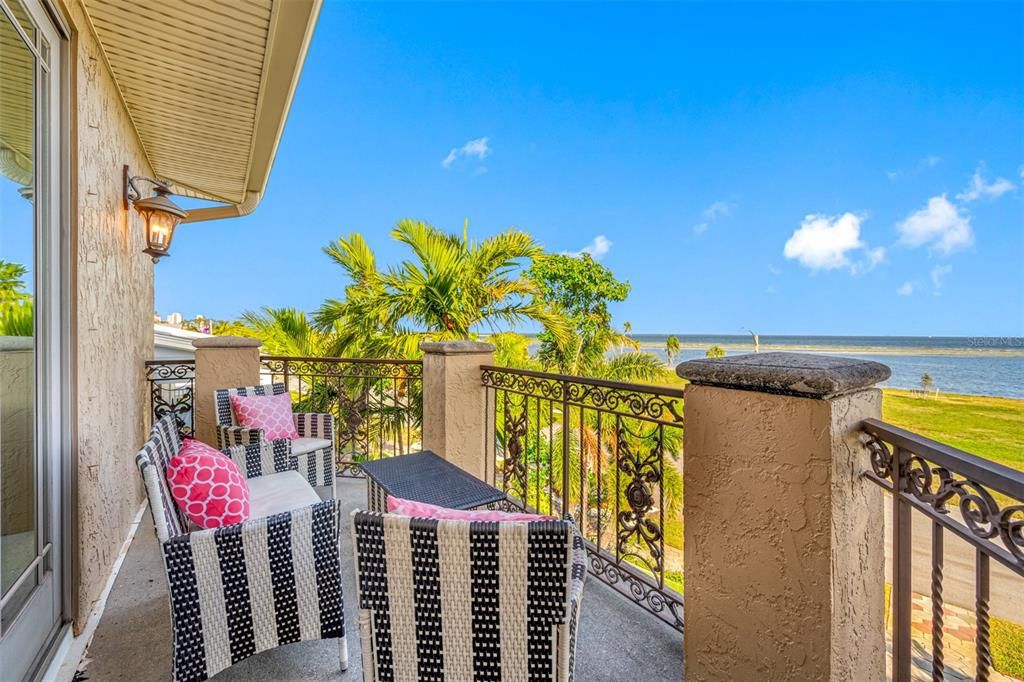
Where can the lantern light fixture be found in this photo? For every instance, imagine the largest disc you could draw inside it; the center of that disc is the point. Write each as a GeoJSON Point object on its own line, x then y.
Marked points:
{"type": "Point", "coordinates": [160, 215]}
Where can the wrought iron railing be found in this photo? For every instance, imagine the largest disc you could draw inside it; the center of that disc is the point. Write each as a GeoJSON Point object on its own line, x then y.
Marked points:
{"type": "Point", "coordinates": [977, 500]}
{"type": "Point", "coordinates": [605, 454]}
{"type": "Point", "coordinates": [377, 404]}
{"type": "Point", "coordinates": [171, 391]}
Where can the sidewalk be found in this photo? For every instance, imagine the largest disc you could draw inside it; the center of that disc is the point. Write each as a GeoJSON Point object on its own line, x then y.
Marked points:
{"type": "Point", "coordinates": [958, 638]}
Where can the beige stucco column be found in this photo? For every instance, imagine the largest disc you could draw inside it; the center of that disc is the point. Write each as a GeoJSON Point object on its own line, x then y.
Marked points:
{"type": "Point", "coordinates": [783, 539]}
{"type": "Point", "coordinates": [454, 403]}
{"type": "Point", "coordinates": [221, 362]}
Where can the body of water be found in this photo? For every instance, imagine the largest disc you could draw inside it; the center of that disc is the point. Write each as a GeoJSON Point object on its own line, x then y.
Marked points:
{"type": "Point", "coordinates": [991, 366]}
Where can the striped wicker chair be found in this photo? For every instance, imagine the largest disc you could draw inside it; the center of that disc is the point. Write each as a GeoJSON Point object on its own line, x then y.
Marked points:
{"type": "Point", "coordinates": [458, 600]}
{"type": "Point", "coordinates": [252, 586]}
{"type": "Point", "coordinates": [312, 451]}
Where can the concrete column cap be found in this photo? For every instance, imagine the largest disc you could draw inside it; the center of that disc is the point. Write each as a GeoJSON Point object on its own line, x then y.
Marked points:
{"type": "Point", "coordinates": [227, 342]}
{"type": "Point", "coordinates": [455, 347]}
{"type": "Point", "coordinates": [798, 374]}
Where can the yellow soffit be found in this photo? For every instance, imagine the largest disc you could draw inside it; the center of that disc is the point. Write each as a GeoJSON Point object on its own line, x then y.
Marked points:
{"type": "Point", "coordinates": [208, 85]}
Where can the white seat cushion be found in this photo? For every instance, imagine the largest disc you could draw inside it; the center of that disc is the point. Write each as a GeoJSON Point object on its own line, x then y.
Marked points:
{"type": "Point", "coordinates": [301, 446]}
{"type": "Point", "coordinates": [278, 493]}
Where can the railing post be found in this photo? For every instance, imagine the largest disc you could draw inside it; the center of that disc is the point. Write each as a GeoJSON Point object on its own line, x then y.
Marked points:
{"type": "Point", "coordinates": [455, 425]}
{"type": "Point", "coordinates": [902, 596]}
{"type": "Point", "coordinates": [221, 362]}
{"type": "Point", "coordinates": [783, 537]}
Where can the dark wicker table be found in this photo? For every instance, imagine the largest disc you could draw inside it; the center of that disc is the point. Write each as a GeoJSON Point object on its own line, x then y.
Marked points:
{"type": "Point", "coordinates": [425, 477]}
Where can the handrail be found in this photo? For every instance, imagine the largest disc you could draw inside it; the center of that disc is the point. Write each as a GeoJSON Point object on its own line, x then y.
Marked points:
{"type": "Point", "coordinates": [930, 477]}
{"type": "Point", "coordinates": [589, 381]}
{"type": "Point", "coordinates": [366, 361]}
{"type": "Point", "coordinates": [991, 474]}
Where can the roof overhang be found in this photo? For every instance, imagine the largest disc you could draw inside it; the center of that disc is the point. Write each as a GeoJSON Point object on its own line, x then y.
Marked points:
{"type": "Point", "coordinates": [208, 86]}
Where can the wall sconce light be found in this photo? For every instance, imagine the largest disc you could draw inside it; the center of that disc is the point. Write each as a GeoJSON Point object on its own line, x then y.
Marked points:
{"type": "Point", "coordinates": [160, 214]}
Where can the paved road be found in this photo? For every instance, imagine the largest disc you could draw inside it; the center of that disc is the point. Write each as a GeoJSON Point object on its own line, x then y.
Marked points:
{"type": "Point", "coordinates": [958, 583]}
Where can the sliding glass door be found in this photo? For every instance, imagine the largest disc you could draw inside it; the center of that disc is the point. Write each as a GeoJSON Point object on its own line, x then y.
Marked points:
{"type": "Point", "coordinates": [32, 337]}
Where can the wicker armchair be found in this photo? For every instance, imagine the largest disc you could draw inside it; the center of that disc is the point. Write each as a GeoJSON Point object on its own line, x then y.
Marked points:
{"type": "Point", "coordinates": [252, 586]}
{"type": "Point", "coordinates": [459, 600]}
{"type": "Point", "coordinates": [312, 452]}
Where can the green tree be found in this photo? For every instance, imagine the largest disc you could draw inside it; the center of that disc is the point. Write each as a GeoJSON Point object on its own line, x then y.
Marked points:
{"type": "Point", "coordinates": [16, 309]}
{"type": "Point", "coordinates": [671, 348]}
{"type": "Point", "coordinates": [224, 328]}
{"type": "Point", "coordinates": [287, 331]}
{"type": "Point", "coordinates": [581, 288]}
{"type": "Point", "coordinates": [12, 283]}
{"type": "Point", "coordinates": [512, 350]}
{"type": "Point", "coordinates": [715, 351]}
{"type": "Point", "coordinates": [927, 383]}
{"type": "Point", "coordinates": [448, 289]}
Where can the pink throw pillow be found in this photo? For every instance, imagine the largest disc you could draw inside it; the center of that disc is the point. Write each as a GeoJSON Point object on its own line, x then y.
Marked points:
{"type": "Point", "coordinates": [208, 488]}
{"type": "Point", "coordinates": [272, 413]}
{"type": "Point", "coordinates": [396, 505]}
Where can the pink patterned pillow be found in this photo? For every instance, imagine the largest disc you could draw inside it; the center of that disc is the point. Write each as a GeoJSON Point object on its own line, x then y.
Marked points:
{"type": "Point", "coordinates": [272, 413]}
{"type": "Point", "coordinates": [208, 488]}
{"type": "Point", "coordinates": [396, 505]}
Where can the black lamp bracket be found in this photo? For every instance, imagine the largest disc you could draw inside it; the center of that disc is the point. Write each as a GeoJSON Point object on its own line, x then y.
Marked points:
{"type": "Point", "coordinates": [131, 191]}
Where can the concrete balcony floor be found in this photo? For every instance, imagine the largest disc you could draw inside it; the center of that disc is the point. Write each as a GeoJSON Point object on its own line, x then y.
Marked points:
{"type": "Point", "coordinates": [617, 639]}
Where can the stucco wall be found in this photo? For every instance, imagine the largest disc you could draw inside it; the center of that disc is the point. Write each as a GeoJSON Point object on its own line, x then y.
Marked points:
{"type": "Point", "coordinates": [783, 538]}
{"type": "Point", "coordinates": [455, 425]}
{"type": "Point", "coordinates": [115, 319]}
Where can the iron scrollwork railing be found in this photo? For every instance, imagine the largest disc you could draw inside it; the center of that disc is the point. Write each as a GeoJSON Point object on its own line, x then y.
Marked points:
{"type": "Point", "coordinates": [603, 453]}
{"type": "Point", "coordinates": [377, 404]}
{"type": "Point", "coordinates": [977, 500]}
{"type": "Point", "coordinates": [172, 391]}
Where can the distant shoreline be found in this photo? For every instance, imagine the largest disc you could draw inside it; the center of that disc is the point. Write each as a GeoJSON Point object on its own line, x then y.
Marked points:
{"type": "Point", "coordinates": [981, 351]}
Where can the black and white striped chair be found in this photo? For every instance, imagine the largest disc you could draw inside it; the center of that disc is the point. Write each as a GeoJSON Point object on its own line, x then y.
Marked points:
{"type": "Point", "coordinates": [312, 451]}
{"type": "Point", "coordinates": [459, 600]}
{"type": "Point", "coordinates": [252, 586]}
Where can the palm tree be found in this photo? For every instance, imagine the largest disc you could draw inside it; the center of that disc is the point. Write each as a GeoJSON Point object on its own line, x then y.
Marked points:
{"type": "Point", "coordinates": [287, 331]}
{"type": "Point", "coordinates": [715, 351]}
{"type": "Point", "coordinates": [448, 289]}
{"type": "Point", "coordinates": [671, 348]}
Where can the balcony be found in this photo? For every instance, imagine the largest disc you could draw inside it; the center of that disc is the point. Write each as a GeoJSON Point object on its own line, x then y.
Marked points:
{"type": "Point", "coordinates": [605, 454]}
{"type": "Point", "coordinates": [132, 642]}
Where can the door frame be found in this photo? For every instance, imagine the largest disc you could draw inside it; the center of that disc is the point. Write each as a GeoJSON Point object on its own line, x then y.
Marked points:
{"type": "Point", "coordinates": [53, 272]}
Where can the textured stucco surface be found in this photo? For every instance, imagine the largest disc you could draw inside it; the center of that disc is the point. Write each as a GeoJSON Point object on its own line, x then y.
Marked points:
{"type": "Point", "coordinates": [454, 415]}
{"type": "Point", "coordinates": [114, 318]}
{"type": "Point", "coordinates": [221, 362]}
{"type": "Point", "coordinates": [783, 539]}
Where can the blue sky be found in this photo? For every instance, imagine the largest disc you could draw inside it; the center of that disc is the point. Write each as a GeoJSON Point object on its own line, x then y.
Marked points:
{"type": "Point", "coordinates": [806, 168]}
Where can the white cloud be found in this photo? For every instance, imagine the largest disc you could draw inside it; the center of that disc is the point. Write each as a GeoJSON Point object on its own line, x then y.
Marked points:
{"type": "Point", "coordinates": [718, 209]}
{"type": "Point", "coordinates": [930, 161]}
{"type": "Point", "coordinates": [872, 259]}
{"type": "Point", "coordinates": [597, 248]}
{"type": "Point", "coordinates": [824, 243]}
{"type": "Point", "coordinates": [940, 223]}
{"type": "Point", "coordinates": [478, 148]}
{"type": "Point", "coordinates": [939, 273]}
{"type": "Point", "coordinates": [906, 290]}
{"type": "Point", "coordinates": [774, 270]}
{"type": "Point", "coordinates": [980, 189]}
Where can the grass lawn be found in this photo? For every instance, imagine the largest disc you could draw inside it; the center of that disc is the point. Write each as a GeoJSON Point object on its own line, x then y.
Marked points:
{"type": "Point", "coordinates": [988, 427]}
